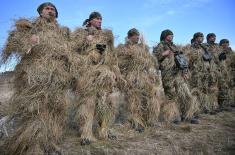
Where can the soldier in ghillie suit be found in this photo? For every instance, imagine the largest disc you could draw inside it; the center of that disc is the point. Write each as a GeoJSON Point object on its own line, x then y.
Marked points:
{"type": "Point", "coordinates": [92, 40]}
{"type": "Point", "coordinates": [226, 78]}
{"type": "Point", "coordinates": [98, 79]}
{"type": "Point", "coordinates": [213, 48]}
{"type": "Point", "coordinates": [216, 51]}
{"type": "Point", "coordinates": [174, 76]}
{"type": "Point", "coordinates": [202, 82]}
{"type": "Point", "coordinates": [42, 75]}
{"type": "Point", "coordinates": [143, 91]}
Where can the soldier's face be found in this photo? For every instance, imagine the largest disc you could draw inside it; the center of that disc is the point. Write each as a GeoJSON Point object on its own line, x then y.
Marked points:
{"type": "Point", "coordinates": [169, 38]}
{"type": "Point", "coordinates": [225, 45]}
{"type": "Point", "coordinates": [212, 39]}
{"type": "Point", "coordinates": [200, 39]}
{"type": "Point", "coordinates": [48, 12]}
{"type": "Point", "coordinates": [96, 22]}
{"type": "Point", "coordinates": [134, 39]}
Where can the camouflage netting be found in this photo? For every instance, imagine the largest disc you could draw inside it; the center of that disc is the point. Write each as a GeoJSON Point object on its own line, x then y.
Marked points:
{"type": "Point", "coordinates": [144, 93]}
{"type": "Point", "coordinates": [42, 75]}
{"type": "Point", "coordinates": [98, 84]}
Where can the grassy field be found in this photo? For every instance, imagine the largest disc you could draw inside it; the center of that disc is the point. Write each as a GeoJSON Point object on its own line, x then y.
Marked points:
{"type": "Point", "coordinates": [214, 135]}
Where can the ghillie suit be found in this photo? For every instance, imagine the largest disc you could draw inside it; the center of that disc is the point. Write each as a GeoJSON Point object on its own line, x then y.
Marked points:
{"type": "Point", "coordinates": [215, 51]}
{"type": "Point", "coordinates": [182, 104]}
{"type": "Point", "coordinates": [231, 66]}
{"type": "Point", "coordinates": [42, 75]}
{"type": "Point", "coordinates": [143, 91]}
{"type": "Point", "coordinates": [225, 58]}
{"type": "Point", "coordinates": [226, 77]}
{"type": "Point", "coordinates": [203, 81]}
{"type": "Point", "coordinates": [98, 83]}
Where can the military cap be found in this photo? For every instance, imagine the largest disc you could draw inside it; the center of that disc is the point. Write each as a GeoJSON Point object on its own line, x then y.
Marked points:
{"type": "Point", "coordinates": [222, 41]}
{"type": "Point", "coordinates": [198, 34]}
{"type": "Point", "coordinates": [210, 35]}
{"type": "Point", "coordinates": [165, 33]}
{"type": "Point", "coordinates": [40, 8]}
{"type": "Point", "coordinates": [133, 32]}
{"type": "Point", "coordinates": [95, 15]}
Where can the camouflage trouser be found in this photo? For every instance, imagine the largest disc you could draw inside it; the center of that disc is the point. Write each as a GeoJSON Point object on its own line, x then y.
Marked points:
{"type": "Point", "coordinates": [209, 90]}
{"type": "Point", "coordinates": [196, 79]}
{"type": "Point", "coordinates": [223, 90]}
{"type": "Point", "coordinates": [226, 85]}
{"type": "Point", "coordinates": [231, 85]}
{"type": "Point", "coordinates": [176, 89]}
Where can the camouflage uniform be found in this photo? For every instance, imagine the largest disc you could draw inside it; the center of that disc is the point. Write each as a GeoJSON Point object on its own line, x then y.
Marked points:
{"type": "Point", "coordinates": [202, 78]}
{"type": "Point", "coordinates": [97, 80]}
{"type": "Point", "coordinates": [88, 48]}
{"type": "Point", "coordinates": [226, 83]}
{"type": "Point", "coordinates": [175, 86]}
{"type": "Point", "coordinates": [231, 65]}
{"type": "Point", "coordinates": [222, 93]}
{"type": "Point", "coordinates": [142, 92]}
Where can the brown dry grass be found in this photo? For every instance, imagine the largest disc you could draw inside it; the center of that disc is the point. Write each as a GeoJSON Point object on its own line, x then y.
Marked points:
{"type": "Point", "coordinates": [214, 135]}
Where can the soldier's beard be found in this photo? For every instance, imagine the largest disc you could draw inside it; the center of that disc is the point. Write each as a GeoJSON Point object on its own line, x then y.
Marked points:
{"type": "Point", "coordinates": [50, 17]}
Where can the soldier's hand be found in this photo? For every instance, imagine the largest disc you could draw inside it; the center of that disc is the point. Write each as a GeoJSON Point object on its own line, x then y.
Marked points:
{"type": "Point", "coordinates": [186, 76]}
{"type": "Point", "coordinates": [89, 37]}
{"type": "Point", "coordinates": [34, 40]}
{"type": "Point", "coordinates": [166, 53]}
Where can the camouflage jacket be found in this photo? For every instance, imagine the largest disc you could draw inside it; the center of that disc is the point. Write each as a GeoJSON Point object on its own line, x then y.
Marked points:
{"type": "Point", "coordinates": [135, 57]}
{"type": "Point", "coordinates": [215, 50]}
{"type": "Point", "coordinates": [83, 46]}
{"type": "Point", "coordinates": [165, 62]}
{"type": "Point", "coordinates": [195, 56]}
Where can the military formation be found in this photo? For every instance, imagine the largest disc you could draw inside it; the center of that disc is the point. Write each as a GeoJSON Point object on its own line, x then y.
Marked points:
{"type": "Point", "coordinates": [128, 84]}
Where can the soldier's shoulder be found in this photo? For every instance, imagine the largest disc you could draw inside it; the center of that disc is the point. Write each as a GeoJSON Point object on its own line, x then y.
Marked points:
{"type": "Point", "coordinates": [65, 29]}
{"type": "Point", "coordinates": [157, 46]}
{"type": "Point", "coordinates": [80, 31]}
{"type": "Point", "coordinates": [107, 32]}
{"type": "Point", "coordinates": [160, 44]}
{"type": "Point", "coordinates": [23, 24]}
{"type": "Point", "coordinates": [119, 49]}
